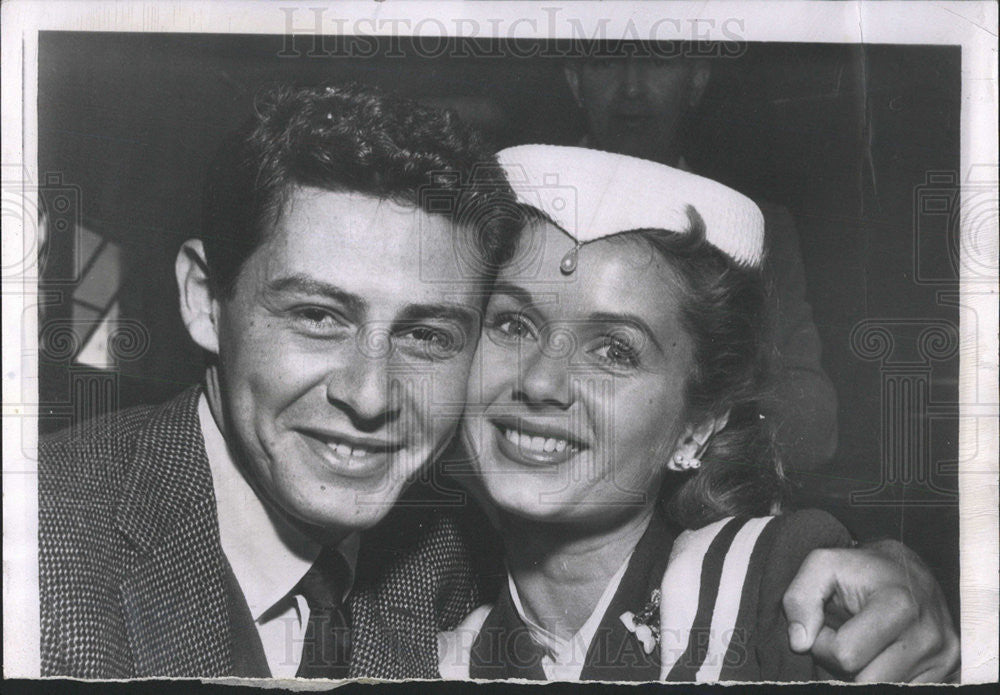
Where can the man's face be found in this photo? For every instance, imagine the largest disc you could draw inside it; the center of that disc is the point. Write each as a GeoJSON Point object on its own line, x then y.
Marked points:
{"type": "Point", "coordinates": [635, 106]}
{"type": "Point", "coordinates": [341, 370]}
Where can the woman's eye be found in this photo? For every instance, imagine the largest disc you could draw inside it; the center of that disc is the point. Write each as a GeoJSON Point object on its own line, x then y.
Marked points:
{"type": "Point", "coordinates": [618, 352]}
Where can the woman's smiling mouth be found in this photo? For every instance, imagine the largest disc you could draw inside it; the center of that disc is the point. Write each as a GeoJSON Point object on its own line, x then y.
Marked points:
{"type": "Point", "coordinates": [535, 444]}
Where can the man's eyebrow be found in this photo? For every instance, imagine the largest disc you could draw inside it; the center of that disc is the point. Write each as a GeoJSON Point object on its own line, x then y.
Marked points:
{"type": "Point", "coordinates": [459, 313]}
{"type": "Point", "coordinates": [303, 284]}
{"type": "Point", "coordinates": [627, 320]}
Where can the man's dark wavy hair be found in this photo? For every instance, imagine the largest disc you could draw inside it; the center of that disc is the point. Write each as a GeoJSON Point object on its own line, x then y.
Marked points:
{"type": "Point", "coordinates": [354, 138]}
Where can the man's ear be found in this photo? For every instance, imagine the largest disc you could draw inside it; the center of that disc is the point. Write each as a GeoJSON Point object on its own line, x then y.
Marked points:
{"type": "Point", "coordinates": [701, 72]}
{"type": "Point", "coordinates": [572, 73]}
{"type": "Point", "coordinates": [198, 302]}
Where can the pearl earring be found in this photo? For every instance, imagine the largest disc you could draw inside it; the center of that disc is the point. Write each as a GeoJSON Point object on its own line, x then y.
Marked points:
{"type": "Point", "coordinates": [681, 462]}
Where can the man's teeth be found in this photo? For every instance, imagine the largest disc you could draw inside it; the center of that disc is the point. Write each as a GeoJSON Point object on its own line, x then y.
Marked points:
{"type": "Point", "coordinates": [536, 443]}
{"type": "Point", "coordinates": [346, 451]}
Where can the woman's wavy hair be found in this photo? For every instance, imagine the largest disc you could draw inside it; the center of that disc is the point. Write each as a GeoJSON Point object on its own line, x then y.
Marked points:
{"type": "Point", "coordinates": [722, 308]}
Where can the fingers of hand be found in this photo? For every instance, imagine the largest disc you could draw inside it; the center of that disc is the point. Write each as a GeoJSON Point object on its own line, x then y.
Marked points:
{"type": "Point", "coordinates": [825, 645]}
{"type": "Point", "coordinates": [885, 619]}
{"type": "Point", "coordinates": [941, 664]}
{"type": "Point", "coordinates": [805, 597]}
{"type": "Point", "coordinates": [932, 636]}
{"type": "Point", "coordinates": [904, 566]}
{"type": "Point", "coordinates": [909, 657]}
{"type": "Point", "coordinates": [945, 671]}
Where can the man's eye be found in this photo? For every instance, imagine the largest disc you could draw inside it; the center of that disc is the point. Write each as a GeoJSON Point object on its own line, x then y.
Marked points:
{"type": "Point", "coordinates": [431, 336]}
{"type": "Point", "coordinates": [317, 318]}
{"type": "Point", "coordinates": [513, 327]}
{"type": "Point", "coordinates": [618, 352]}
{"type": "Point", "coordinates": [314, 315]}
{"type": "Point", "coordinates": [432, 343]}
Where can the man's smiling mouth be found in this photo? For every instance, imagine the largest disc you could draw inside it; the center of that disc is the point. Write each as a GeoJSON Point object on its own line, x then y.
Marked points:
{"type": "Point", "coordinates": [355, 456]}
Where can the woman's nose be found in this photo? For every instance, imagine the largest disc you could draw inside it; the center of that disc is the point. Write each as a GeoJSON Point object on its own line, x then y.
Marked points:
{"type": "Point", "coordinates": [545, 378]}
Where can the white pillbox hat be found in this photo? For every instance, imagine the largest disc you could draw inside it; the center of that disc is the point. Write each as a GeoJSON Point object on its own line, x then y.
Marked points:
{"type": "Point", "coordinates": [592, 194]}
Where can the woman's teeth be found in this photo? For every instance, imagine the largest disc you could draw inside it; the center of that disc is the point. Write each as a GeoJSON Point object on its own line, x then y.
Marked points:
{"type": "Point", "coordinates": [537, 444]}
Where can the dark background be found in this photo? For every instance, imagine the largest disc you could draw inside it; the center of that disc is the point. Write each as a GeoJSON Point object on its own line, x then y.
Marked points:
{"type": "Point", "coordinates": [854, 140]}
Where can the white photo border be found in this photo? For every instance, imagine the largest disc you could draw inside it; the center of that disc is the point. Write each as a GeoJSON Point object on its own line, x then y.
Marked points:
{"type": "Point", "coordinates": [972, 25]}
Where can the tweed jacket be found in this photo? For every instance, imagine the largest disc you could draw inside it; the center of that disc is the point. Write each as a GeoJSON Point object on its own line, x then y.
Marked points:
{"type": "Point", "coordinates": [131, 568]}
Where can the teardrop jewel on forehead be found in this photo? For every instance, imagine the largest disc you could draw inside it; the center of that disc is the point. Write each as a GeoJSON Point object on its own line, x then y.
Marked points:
{"type": "Point", "coordinates": [568, 263]}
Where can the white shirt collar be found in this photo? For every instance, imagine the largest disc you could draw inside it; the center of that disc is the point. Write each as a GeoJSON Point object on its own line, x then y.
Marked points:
{"type": "Point", "coordinates": [267, 553]}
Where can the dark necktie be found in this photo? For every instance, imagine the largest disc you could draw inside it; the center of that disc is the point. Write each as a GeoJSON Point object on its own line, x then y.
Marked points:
{"type": "Point", "coordinates": [326, 649]}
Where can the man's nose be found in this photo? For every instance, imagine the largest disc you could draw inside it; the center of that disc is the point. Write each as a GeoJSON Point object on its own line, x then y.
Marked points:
{"type": "Point", "coordinates": [363, 390]}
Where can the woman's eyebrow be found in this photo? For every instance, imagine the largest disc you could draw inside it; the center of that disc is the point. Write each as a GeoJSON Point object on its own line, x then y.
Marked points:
{"type": "Point", "coordinates": [625, 319]}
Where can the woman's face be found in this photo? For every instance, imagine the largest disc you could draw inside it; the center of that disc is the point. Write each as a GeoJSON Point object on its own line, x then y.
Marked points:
{"type": "Point", "coordinates": [576, 400]}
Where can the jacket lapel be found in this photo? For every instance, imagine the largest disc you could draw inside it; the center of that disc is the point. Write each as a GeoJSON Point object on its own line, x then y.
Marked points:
{"type": "Point", "coordinates": [504, 648]}
{"type": "Point", "coordinates": [414, 578]}
{"type": "Point", "coordinates": [615, 653]}
{"type": "Point", "coordinates": [392, 609]}
{"type": "Point", "coordinates": [173, 592]}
